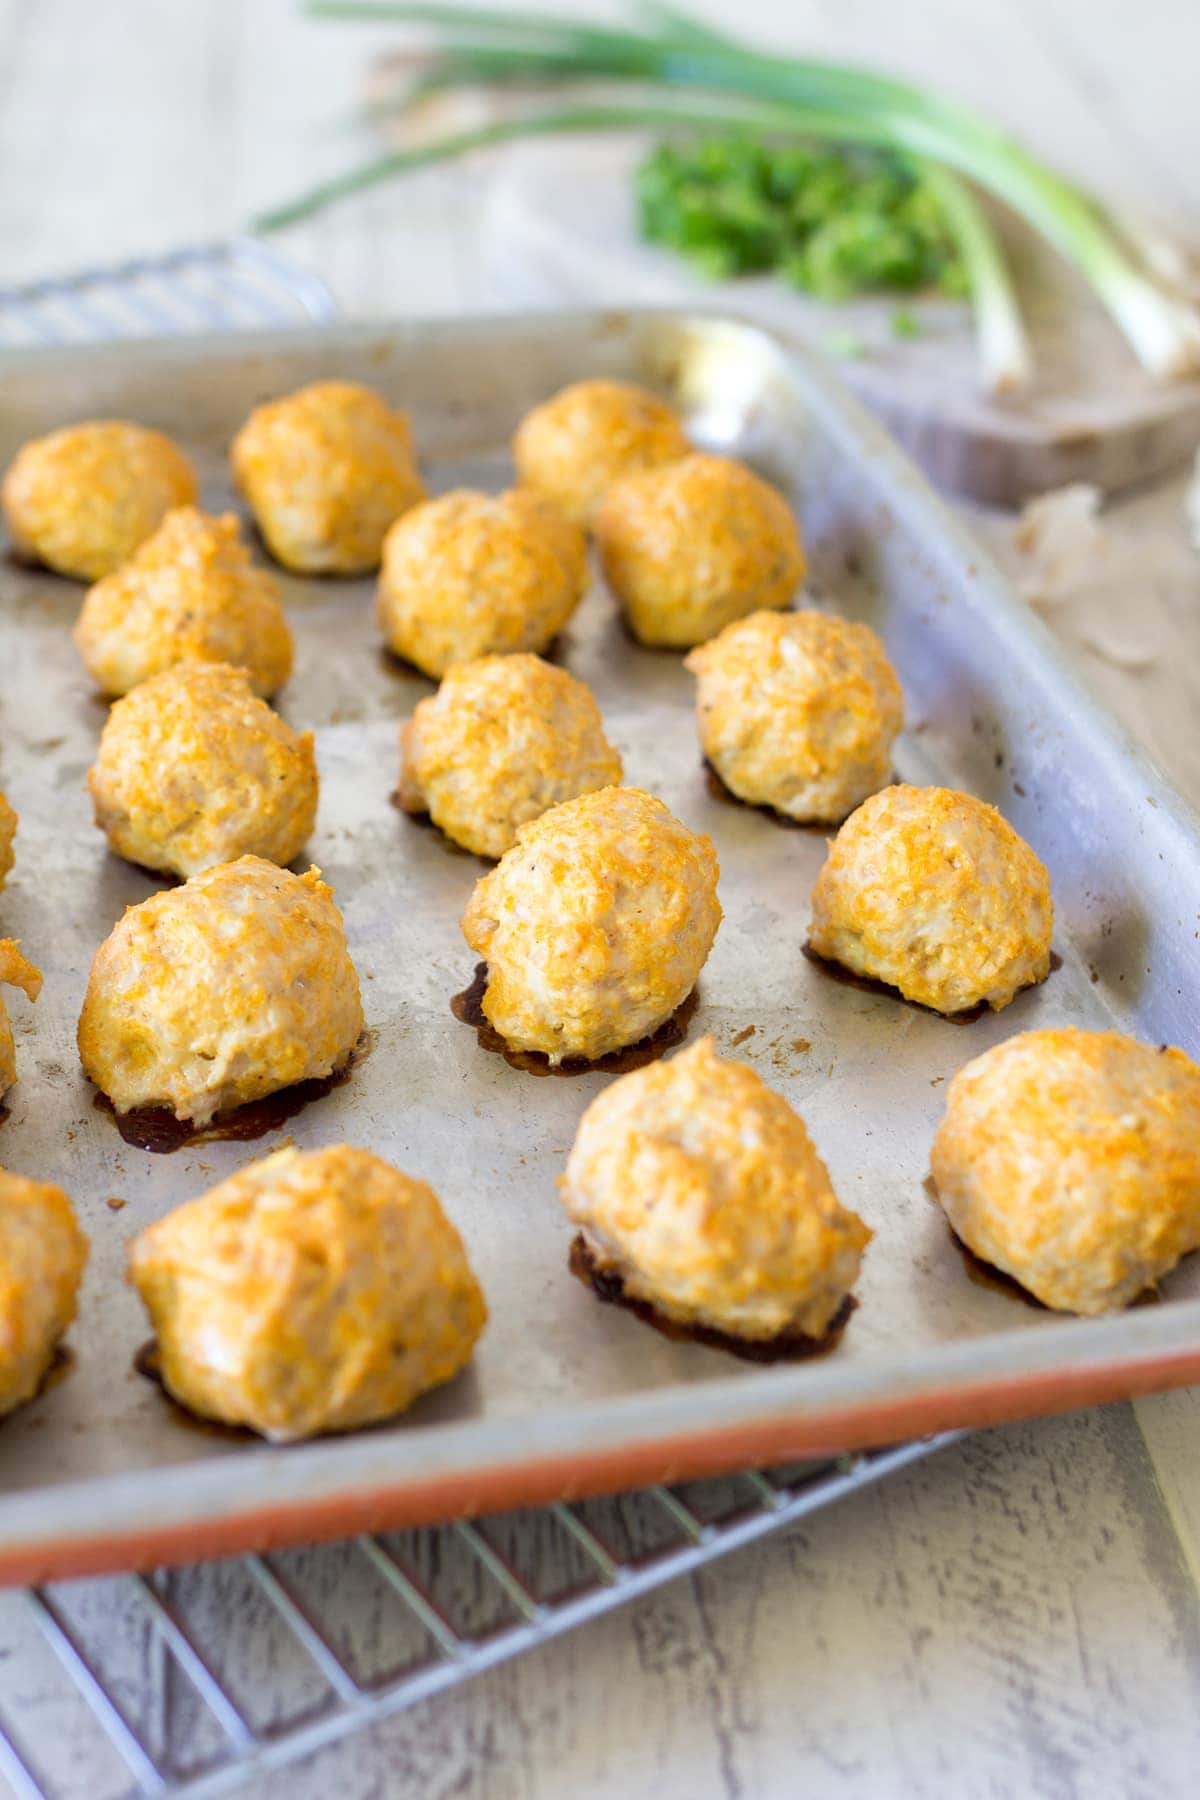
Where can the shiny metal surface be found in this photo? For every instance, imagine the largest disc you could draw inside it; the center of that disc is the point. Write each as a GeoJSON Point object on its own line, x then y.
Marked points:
{"type": "Point", "coordinates": [560, 1383]}
{"type": "Point", "coordinates": [189, 1687]}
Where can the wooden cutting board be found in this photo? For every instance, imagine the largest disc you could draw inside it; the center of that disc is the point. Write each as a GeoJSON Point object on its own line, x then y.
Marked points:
{"type": "Point", "coordinates": [560, 231]}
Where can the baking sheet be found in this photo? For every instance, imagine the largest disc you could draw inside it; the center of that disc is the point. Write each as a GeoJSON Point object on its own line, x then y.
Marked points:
{"type": "Point", "coordinates": [566, 1394]}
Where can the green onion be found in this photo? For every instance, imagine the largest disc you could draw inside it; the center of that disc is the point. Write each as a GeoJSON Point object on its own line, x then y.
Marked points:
{"type": "Point", "coordinates": [833, 222]}
{"type": "Point", "coordinates": [550, 123]}
{"type": "Point", "coordinates": [1003, 347]}
{"type": "Point", "coordinates": [736, 86]}
{"type": "Point", "coordinates": [848, 346]}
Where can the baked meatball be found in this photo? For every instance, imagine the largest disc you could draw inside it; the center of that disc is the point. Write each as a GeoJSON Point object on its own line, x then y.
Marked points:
{"type": "Point", "coordinates": [82, 500]}
{"type": "Point", "coordinates": [568, 539]}
{"type": "Point", "coordinates": [932, 892]}
{"type": "Point", "coordinates": [574, 446]}
{"type": "Point", "coordinates": [690, 547]}
{"type": "Point", "coordinates": [15, 971]}
{"type": "Point", "coordinates": [194, 769]}
{"type": "Point", "coordinates": [221, 991]}
{"type": "Point", "coordinates": [1071, 1160]}
{"type": "Point", "coordinates": [502, 740]}
{"type": "Point", "coordinates": [699, 1189]}
{"type": "Point", "coordinates": [595, 925]}
{"type": "Point", "coordinates": [326, 470]}
{"type": "Point", "coordinates": [8, 831]}
{"type": "Point", "coordinates": [470, 575]}
{"type": "Point", "coordinates": [191, 594]}
{"type": "Point", "coordinates": [42, 1255]}
{"type": "Point", "coordinates": [313, 1291]}
{"type": "Point", "coordinates": [798, 711]}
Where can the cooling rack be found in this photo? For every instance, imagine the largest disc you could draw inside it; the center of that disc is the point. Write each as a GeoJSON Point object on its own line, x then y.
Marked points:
{"type": "Point", "coordinates": [174, 1707]}
{"type": "Point", "coordinates": [139, 1684]}
{"type": "Point", "coordinates": [205, 287]}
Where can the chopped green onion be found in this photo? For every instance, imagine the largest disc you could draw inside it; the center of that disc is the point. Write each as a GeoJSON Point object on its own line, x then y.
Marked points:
{"type": "Point", "coordinates": [832, 222]}
{"type": "Point", "coordinates": [848, 345]}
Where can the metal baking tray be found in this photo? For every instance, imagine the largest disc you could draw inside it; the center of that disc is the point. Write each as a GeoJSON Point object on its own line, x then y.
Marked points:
{"type": "Point", "coordinates": [568, 1396]}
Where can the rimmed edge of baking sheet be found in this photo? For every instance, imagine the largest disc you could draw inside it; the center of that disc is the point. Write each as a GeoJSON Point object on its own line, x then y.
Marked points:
{"type": "Point", "coordinates": [271, 1497]}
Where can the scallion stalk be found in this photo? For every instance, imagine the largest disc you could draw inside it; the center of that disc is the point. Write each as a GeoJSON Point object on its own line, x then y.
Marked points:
{"type": "Point", "coordinates": [792, 122]}
{"type": "Point", "coordinates": [1004, 356]}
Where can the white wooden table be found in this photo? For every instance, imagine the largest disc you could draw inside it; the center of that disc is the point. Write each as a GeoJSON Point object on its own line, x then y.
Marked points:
{"type": "Point", "coordinates": [1020, 1616]}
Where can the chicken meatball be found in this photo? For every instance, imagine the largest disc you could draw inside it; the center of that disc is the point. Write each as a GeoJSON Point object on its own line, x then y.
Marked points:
{"type": "Point", "coordinates": [574, 446]}
{"type": "Point", "coordinates": [191, 594]}
{"type": "Point", "coordinates": [15, 971]}
{"type": "Point", "coordinates": [1071, 1160]}
{"type": "Point", "coordinates": [194, 770]}
{"type": "Point", "coordinates": [212, 994]}
{"type": "Point", "coordinates": [501, 741]}
{"type": "Point", "coordinates": [470, 575]}
{"type": "Point", "coordinates": [692, 546]}
{"type": "Point", "coordinates": [569, 541]}
{"type": "Point", "coordinates": [313, 1291]}
{"type": "Point", "coordinates": [698, 1188]}
{"type": "Point", "coordinates": [8, 831]}
{"type": "Point", "coordinates": [326, 471]}
{"type": "Point", "coordinates": [595, 925]}
{"type": "Point", "coordinates": [82, 500]}
{"type": "Point", "coordinates": [42, 1256]}
{"type": "Point", "coordinates": [798, 711]}
{"type": "Point", "coordinates": [932, 892]}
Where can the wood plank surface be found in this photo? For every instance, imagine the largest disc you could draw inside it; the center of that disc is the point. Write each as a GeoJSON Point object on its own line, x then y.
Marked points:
{"type": "Point", "coordinates": [1017, 1617]}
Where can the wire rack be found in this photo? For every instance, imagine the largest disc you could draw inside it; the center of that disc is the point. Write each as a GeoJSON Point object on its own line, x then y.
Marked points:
{"type": "Point", "coordinates": [137, 1684]}
{"type": "Point", "coordinates": [176, 1706]}
{"type": "Point", "coordinates": [207, 287]}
